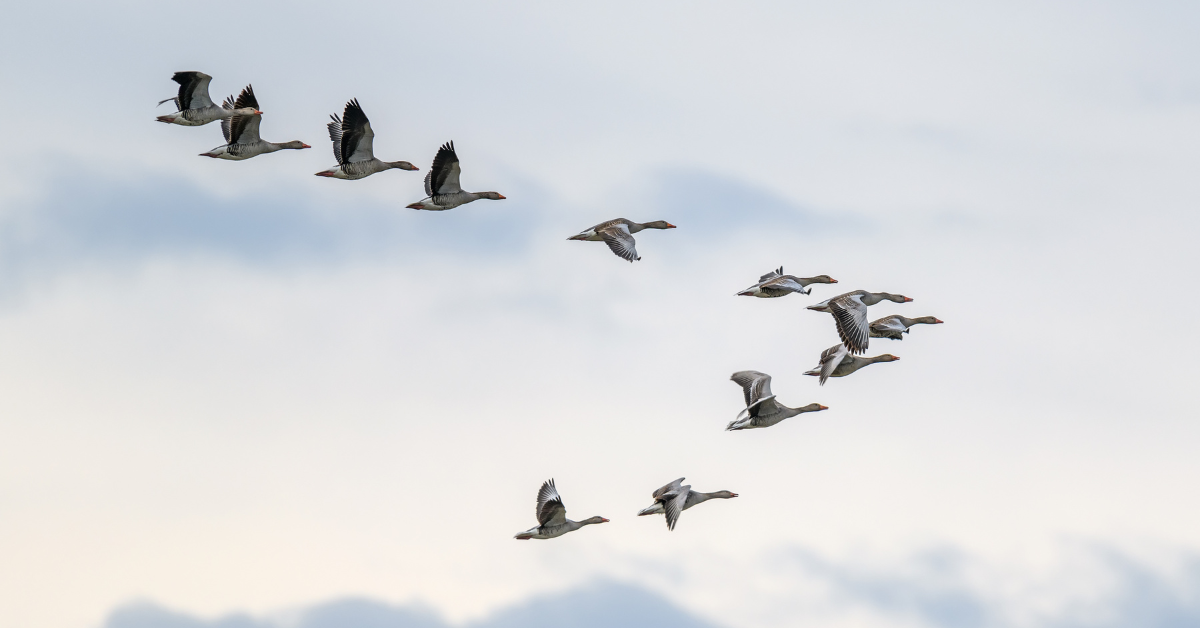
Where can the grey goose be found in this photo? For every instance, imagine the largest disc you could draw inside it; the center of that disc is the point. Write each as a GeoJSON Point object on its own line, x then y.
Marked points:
{"type": "Point", "coordinates": [193, 105]}
{"type": "Point", "coordinates": [895, 326]}
{"type": "Point", "coordinates": [776, 284]}
{"type": "Point", "coordinates": [552, 516]}
{"type": "Point", "coordinates": [850, 314]}
{"type": "Point", "coordinates": [762, 410]}
{"type": "Point", "coordinates": [676, 497]}
{"type": "Point", "coordinates": [442, 190]}
{"type": "Point", "coordinates": [352, 139]}
{"type": "Point", "coordinates": [837, 361]}
{"type": "Point", "coordinates": [618, 235]}
{"type": "Point", "coordinates": [241, 132]}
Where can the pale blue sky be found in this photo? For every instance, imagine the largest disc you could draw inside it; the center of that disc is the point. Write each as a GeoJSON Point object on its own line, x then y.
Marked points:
{"type": "Point", "coordinates": [237, 388]}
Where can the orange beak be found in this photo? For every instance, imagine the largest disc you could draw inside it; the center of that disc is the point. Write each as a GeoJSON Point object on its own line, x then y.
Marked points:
{"type": "Point", "coordinates": [906, 299]}
{"type": "Point", "coordinates": [502, 197]}
{"type": "Point", "coordinates": [822, 407]}
{"type": "Point", "coordinates": [670, 226]}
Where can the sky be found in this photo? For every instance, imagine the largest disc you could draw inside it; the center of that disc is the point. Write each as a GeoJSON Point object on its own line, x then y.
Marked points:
{"type": "Point", "coordinates": [235, 395]}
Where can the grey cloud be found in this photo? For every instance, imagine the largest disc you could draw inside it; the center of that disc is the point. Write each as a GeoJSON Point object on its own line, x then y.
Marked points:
{"type": "Point", "coordinates": [601, 605]}
{"type": "Point", "coordinates": [933, 588]}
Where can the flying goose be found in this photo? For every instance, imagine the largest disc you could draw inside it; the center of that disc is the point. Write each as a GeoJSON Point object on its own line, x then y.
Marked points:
{"type": "Point", "coordinates": [895, 326]}
{"type": "Point", "coordinates": [618, 235]}
{"type": "Point", "coordinates": [441, 184]}
{"type": "Point", "coordinates": [675, 498]}
{"type": "Point", "coordinates": [194, 107]}
{"type": "Point", "coordinates": [352, 136]}
{"type": "Point", "coordinates": [777, 284]}
{"type": "Point", "coordinates": [241, 132]}
{"type": "Point", "coordinates": [552, 516]}
{"type": "Point", "coordinates": [850, 314]}
{"type": "Point", "coordinates": [836, 361]}
{"type": "Point", "coordinates": [761, 408]}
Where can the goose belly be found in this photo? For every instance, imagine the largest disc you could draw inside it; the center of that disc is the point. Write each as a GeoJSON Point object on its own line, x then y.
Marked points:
{"type": "Point", "coordinates": [360, 169]}
{"type": "Point", "coordinates": [450, 201]}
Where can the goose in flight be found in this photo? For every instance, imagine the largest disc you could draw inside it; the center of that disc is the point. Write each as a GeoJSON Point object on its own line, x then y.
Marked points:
{"type": "Point", "coordinates": [618, 235]}
{"type": "Point", "coordinates": [836, 361]}
{"type": "Point", "coordinates": [442, 190]}
{"type": "Point", "coordinates": [761, 408]}
{"type": "Point", "coordinates": [895, 326]}
{"type": "Point", "coordinates": [850, 314]}
{"type": "Point", "coordinates": [552, 516]}
{"type": "Point", "coordinates": [352, 136]}
{"type": "Point", "coordinates": [676, 497]}
{"type": "Point", "coordinates": [241, 132]}
{"type": "Point", "coordinates": [776, 284]}
{"type": "Point", "coordinates": [193, 105]}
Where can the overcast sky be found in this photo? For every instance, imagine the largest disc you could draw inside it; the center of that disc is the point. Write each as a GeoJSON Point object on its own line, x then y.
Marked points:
{"type": "Point", "coordinates": [234, 387]}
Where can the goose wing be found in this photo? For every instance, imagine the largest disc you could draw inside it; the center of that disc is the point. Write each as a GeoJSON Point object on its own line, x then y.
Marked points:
{"type": "Point", "coordinates": [442, 177]}
{"type": "Point", "coordinates": [244, 129]}
{"type": "Point", "coordinates": [755, 385]}
{"type": "Point", "coordinates": [550, 508]}
{"type": "Point", "coordinates": [620, 241]}
{"type": "Point", "coordinates": [888, 323]}
{"type": "Point", "coordinates": [851, 317]}
{"type": "Point", "coordinates": [335, 136]}
{"type": "Point", "coordinates": [830, 359]}
{"type": "Point", "coordinates": [673, 503]}
{"type": "Point", "coordinates": [357, 136]}
{"type": "Point", "coordinates": [784, 282]}
{"type": "Point", "coordinates": [228, 104]}
{"type": "Point", "coordinates": [673, 486]}
{"type": "Point", "coordinates": [771, 275]}
{"type": "Point", "coordinates": [193, 90]}
{"type": "Point", "coordinates": [757, 389]}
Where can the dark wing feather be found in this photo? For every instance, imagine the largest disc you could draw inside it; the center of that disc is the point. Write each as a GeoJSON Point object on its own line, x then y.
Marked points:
{"type": "Point", "coordinates": [188, 82]}
{"type": "Point", "coordinates": [851, 318]}
{"type": "Point", "coordinates": [335, 136]}
{"type": "Point", "coordinates": [246, 99]}
{"type": "Point", "coordinates": [442, 163]}
{"type": "Point", "coordinates": [550, 508]}
{"type": "Point", "coordinates": [355, 129]}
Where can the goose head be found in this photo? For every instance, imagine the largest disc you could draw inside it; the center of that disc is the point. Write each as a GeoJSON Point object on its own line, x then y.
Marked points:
{"type": "Point", "coordinates": [813, 407]}
{"type": "Point", "coordinates": [402, 165]}
{"type": "Point", "coordinates": [887, 357]}
{"type": "Point", "coordinates": [724, 494]}
{"type": "Point", "coordinates": [929, 320]}
{"type": "Point", "coordinates": [591, 520]}
{"type": "Point", "coordinates": [822, 279]}
{"type": "Point", "coordinates": [658, 224]}
{"type": "Point", "coordinates": [294, 145]}
{"type": "Point", "coordinates": [494, 196]}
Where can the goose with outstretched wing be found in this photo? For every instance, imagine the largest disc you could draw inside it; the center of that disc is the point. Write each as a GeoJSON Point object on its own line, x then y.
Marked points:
{"type": "Point", "coordinates": [193, 104]}
{"type": "Point", "coordinates": [552, 516]}
{"type": "Point", "coordinates": [762, 410]}
{"type": "Point", "coordinates": [442, 189]}
{"type": "Point", "coordinates": [352, 139]}
{"type": "Point", "coordinates": [241, 132]}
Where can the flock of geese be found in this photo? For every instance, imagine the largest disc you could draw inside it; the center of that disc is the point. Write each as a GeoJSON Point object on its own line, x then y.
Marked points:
{"type": "Point", "coordinates": [352, 139]}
